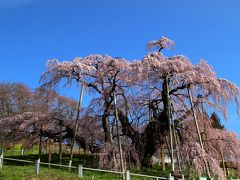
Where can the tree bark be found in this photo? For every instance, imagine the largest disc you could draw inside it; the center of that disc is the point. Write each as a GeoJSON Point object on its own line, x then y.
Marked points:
{"type": "Point", "coordinates": [40, 143]}
{"type": "Point", "coordinates": [105, 121]}
{"type": "Point", "coordinates": [147, 142]}
{"type": "Point", "coordinates": [163, 157]}
{"type": "Point", "coordinates": [49, 152]}
{"type": "Point", "coordinates": [60, 142]}
{"type": "Point", "coordinates": [111, 139]}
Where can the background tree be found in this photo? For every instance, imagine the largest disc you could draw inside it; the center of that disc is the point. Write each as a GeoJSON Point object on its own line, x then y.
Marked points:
{"type": "Point", "coordinates": [15, 98]}
{"type": "Point", "coordinates": [216, 122]}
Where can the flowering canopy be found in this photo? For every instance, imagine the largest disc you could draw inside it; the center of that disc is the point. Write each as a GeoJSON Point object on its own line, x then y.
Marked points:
{"type": "Point", "coordinates": [219, 145]}
{"type": "Point", "coordinates": [140, 81]}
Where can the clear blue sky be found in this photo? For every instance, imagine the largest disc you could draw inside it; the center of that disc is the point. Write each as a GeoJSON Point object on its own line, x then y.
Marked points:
{"type": "Point", "coordinates": [33, 31]}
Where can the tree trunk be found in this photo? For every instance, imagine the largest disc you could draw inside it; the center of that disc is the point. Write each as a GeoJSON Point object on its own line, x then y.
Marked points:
{"type": "Point", "coordinates": [40, 143]}
{"type": "Point", "coordinates": [105, 121]}
{"type": "Point", "coordinates": [60, 142]}
{"type": "Point", "coordinates": [111, 139]}
{"type": "Point", "coordinates": [49, 152]}
{"type": "Point", "coordinates": [147, 142]}
{"type": "Point", "coordinates": [79, 150]}
{"type": "Point", "coordinates": [163, 156]}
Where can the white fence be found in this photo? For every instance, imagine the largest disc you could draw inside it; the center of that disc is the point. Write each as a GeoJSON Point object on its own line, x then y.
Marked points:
{"type": "Point", "coordinates": [127, 175]}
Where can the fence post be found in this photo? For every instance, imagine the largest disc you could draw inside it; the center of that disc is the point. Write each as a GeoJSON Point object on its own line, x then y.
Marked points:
{"type": "Point", "coordinates": [22, 152]}
{"type": "Point", "coordinates": [182, 176]}
{"type": "Point", "coordinates": [80, 171]}
{"type": "Point", "coordinates": [70, 165]}
{"type": "Point", "coordinates": [127, 173]}
{"type": "Point", "coordinates": [171, 177]}
{"type": "Point", "coordinates": [37, 166]}
{"type": "Point", "coordinates": [1, 161]}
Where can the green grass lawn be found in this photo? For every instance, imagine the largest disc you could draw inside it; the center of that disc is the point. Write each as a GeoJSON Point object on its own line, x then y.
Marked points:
{"type": "Point", "coordinates": [25, 171]}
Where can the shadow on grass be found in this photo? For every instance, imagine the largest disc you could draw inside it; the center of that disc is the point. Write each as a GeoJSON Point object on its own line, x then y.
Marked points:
{"type": "Point", "coordinates": [55, 172]}
{"type": "Point", "coordinates": [87, 160]}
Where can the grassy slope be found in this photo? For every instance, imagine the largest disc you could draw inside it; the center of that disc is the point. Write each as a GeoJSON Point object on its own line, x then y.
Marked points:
{"type": "Point", "coordinates": [25, 171]}
{"type": "Point", "coordinates": [18, 170]}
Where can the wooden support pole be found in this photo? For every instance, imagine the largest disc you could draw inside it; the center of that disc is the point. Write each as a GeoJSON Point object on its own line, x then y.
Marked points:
{"type": "Point", "coordinates": [177, 148]}
{"type": "Point", "coordinates": [197, 127]}
{"type": "Point", "coordinates": [223, 163]}
{"type": "Point", "coordinates": [76, 122]}
{"type": "Point", "coordinates": [169, 116]}
{"type": "Point", "coordinates": [118, 133]}
{"type": "Point", "coordinates": [195, 117]}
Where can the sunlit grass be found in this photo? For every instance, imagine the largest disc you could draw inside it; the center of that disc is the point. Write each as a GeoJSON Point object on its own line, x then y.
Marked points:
{"type": "Point", "coordinates": [25, 171]}
{"type": "Point", "coordinates": [19, 170]}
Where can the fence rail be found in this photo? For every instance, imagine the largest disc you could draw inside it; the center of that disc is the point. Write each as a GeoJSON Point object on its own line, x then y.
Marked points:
{"type": "Point", "coordinates": [80, 169]}
{"type": "Point", "coordinates": [148, 176]}
{"type": "Point", "coordinates": [102, 170]}
{"type": "Point", "coordinates": [19, 160]}
{"type": "Point", "coordinates": [59, 165]}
